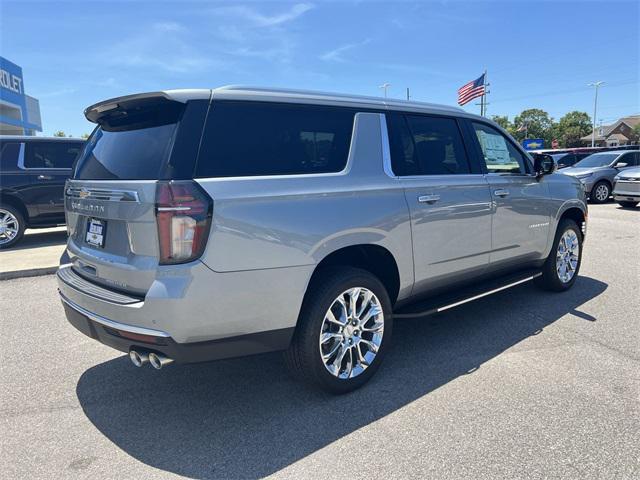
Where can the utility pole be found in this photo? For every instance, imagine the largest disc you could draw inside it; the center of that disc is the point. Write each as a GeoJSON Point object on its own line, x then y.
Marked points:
{"type": "Point", "coordinates": [408, 96]}
{"type": "Point", "coordinates": [483, 100]}
{"type": "Point", "coordinates": [385, 86]}
{"type": "Point", "coordinates": [596, 85]}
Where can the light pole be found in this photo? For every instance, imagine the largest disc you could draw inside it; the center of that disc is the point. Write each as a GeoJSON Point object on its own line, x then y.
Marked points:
{"type": "Point", "coordinates": [385, 86]}
{"type": "Point", "coordinates": [597, 85]}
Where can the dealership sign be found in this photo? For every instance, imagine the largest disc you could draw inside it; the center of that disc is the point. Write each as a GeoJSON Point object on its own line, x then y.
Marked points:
{"type": "Point", "coordinates": [10, 81]}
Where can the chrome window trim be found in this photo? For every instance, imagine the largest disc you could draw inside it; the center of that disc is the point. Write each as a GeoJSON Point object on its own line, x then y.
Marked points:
{"type": "Point", "coordinates": [21, 157]}
{"type": "Point", "coordinates": [111, 323]}
{"type": "Point", "coordinates": [386, 149]}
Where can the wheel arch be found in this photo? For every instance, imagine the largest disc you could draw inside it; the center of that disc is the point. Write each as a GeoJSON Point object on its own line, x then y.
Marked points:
{"type": "Point", "coordinates": [8, 199]}
{"type": "Point", "coordinates": [375, 259]}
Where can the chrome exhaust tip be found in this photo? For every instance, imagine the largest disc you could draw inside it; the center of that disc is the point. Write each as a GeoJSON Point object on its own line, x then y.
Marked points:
{"type": "Point", "coordinates": [158, 361]}
{"type": "Point", "coordinates": [138, 358]}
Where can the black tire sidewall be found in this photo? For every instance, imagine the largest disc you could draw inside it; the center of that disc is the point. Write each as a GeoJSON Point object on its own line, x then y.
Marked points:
{"type": "Point", "coordinates": [21, 225]}
{"type": "Point", "coordinates": [593, 192]}
{"type": "Point", "coordinates": [325, 289]}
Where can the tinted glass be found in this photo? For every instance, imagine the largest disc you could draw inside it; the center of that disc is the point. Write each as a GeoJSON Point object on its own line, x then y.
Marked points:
{"type": "Point", "coordinates": [423, 145]}
{"type": "Point", "coordinates": [598, 160]}
{"type": "Point", "coordinates": [250, 138]}
{"type": "Point", "coordinates": [631, 159]}
{"type": "Point", "coordinates": [51, 154]}
{"type": "Point", "coordinates": [138, 154]}
{"type": "Point", "coordinates": [500, 155]}
{"type": "Point", "coordinates": [9, 152]}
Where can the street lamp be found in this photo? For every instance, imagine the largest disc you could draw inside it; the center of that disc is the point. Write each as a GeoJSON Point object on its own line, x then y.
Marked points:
{"type": "Point", "coordinates": [597, 85]}
{"type": "Point", "coordinates": [385, 86]}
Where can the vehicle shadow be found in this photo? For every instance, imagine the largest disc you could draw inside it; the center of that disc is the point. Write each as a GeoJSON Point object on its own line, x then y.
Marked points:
{"type": "Point", "coordinates": [34, 238]}
{"type": "Point", "coordinates": [245, 418]}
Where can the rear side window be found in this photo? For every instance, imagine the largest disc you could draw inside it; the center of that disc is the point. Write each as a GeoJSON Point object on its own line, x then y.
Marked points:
{"type": "Point", "coordinates": [252, 139]}
{"type": "Point", "coordinates": [9, 152]}
{"type": "Point", "coordinates": [51, 154]}
{"type": "Point", "coordinates": [425, 145]}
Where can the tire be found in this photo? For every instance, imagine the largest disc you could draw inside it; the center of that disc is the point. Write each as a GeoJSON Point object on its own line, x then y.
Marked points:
{"type": "Point", "coordinates": [627, 204]}
{"type": "Point", "coordinates": [551, 278]}
{"type": "Point", "coordinates": [304, 358]}
{"type": "Point", "coordinates": [12, 226]}
{"type": "Point", "coordinates": [600, 192]}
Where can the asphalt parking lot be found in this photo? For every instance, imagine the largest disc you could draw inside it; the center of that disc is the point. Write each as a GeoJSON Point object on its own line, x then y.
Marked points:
{"type": "Point", "coordinates": [523, 384]}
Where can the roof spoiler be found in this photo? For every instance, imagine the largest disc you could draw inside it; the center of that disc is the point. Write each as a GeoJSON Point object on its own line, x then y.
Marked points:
{"type": "Point", "coordinates": [107, 108]}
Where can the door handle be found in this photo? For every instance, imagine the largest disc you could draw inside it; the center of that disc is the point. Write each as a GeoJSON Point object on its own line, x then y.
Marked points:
{"type": "Point", "coordinates": [501, 192]}
{"type": "Point", "coordinates": [45, 177]}
{"type": "Point", "coordinates": [428, 198]}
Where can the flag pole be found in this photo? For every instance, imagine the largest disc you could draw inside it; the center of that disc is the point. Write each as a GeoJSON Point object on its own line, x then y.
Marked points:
{"type": "Point", "coordinates": [483, 102]}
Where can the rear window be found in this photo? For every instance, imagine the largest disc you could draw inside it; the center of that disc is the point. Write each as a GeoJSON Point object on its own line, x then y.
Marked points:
{"type": "Point", "coordinates": [250, 139]}
{"type": "Point", "coordinates": [139, 154]}
{"type": "Point", "coordinates": [132, 142]}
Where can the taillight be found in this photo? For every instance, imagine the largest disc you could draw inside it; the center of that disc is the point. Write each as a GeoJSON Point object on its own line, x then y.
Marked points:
{"type": "Point", "coordinates": [183, 213]}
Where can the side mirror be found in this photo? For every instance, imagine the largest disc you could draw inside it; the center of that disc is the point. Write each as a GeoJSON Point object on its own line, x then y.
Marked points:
{"type": "Point", "coordinates": [621, 165]}
{"type": "Point", "coordinates": [543, 164]}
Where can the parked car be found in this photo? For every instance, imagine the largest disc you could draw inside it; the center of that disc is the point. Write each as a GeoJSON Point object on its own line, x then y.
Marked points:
{"type": "Point", "coordinates": [32, 175]}
{"type": "Point", "coordinates": [626, 187]}
{"type": "Point", "coordinates": [597, 171]}
{"type": "Point", "coordinates": [207, 224]}
{"type": "Point", "coordinates": [568, 159]}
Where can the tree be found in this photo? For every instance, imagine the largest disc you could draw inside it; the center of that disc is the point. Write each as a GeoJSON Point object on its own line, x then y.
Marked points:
{"type": "Point", "coordinates": [84, 136]}
{"type": "Point", "coordinates": [636, 132]}
{"type": "Point", "coordinates": [572, 127]}
{"type": "Point", "coordinates": [502, 120]}
{"type": "Point", "coordinates": [59, 133]}
{"type": "Point", "coordinates": [538, 125]}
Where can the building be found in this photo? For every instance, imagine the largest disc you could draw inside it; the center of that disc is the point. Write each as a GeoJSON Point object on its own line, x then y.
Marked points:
{"type": "Point", "coordinates": [616, 134]}
{"type": "Point", "coordinates": [19, 113]}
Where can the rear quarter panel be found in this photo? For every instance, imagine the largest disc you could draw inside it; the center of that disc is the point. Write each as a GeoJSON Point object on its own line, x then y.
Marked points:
{"type": "Point", "coordinates": [290, 221]}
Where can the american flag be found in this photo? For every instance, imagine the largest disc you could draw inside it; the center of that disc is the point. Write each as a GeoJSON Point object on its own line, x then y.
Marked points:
{"type": "Point", "coordinates": [471, 90]}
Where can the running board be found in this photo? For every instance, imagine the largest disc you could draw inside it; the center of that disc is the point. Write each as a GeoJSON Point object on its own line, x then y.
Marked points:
{"type": "Point", "coordinates": [467, 294]}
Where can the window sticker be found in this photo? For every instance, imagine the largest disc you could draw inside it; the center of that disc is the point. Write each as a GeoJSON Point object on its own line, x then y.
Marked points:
{"type": "Point", "coordinates": [494, 148]}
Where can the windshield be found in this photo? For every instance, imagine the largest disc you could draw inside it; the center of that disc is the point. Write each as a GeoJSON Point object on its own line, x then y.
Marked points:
{"type": "Point", "coordinates": [597, 160]}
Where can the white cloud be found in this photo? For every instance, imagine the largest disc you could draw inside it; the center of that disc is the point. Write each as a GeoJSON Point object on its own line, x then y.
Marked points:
{"type": "Point", "coordinates": [163, 46]}
{"type": "Point", "coordinates": [255, 17]}
{"type": "Point", "coordinates": [336, 55]}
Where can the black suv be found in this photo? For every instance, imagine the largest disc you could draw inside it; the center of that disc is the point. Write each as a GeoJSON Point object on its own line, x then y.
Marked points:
{"type": "Point", "coordinates": [33, 171]}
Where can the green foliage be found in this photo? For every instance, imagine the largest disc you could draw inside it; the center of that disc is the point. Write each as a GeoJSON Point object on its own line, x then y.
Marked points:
{"type": "Point", "coordinates": [59, 133]}
{"type": "Point", "coordinates": [571, 127]}
{"type": "Point", "coordinates": [84, 136]}
{"type": "Point", "coordinates": [502, 120]}
{"type": "Point", "coordinates": [539, 125]}
{"type": "Point", "coordinates": [636, 131]}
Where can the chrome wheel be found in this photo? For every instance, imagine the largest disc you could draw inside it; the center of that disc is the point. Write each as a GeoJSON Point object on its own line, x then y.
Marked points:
{"type": "Point", "coordinates": [351, 333]}
{"type": "Point", "coordinates": [567, 256]}
{"type": "Point", "coordinates": [601, 193]}
{"type": "Point", "coordinates": [9, 226]}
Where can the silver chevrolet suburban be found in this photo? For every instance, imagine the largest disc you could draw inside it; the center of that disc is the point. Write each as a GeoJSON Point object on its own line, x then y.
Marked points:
{"type": "Point", "coordinates": [208, 224]}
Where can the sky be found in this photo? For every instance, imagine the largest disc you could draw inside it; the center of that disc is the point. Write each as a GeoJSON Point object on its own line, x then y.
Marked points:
{"type": "Point", "coordinates": [537, 54]}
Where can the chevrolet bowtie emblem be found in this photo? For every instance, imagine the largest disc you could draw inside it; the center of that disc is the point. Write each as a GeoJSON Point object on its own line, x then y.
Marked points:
{"type": "Point", "coordinates": [84, 193]}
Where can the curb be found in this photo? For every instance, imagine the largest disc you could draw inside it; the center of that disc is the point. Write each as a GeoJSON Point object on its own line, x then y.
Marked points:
{"type": "Point", "coordinates": [31, 272]}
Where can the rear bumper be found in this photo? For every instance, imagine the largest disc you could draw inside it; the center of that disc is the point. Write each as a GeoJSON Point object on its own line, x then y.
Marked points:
{"type": "Point", "coordinates": [124, 337]}
{"type": "Point", "coordinates": [191, 313]}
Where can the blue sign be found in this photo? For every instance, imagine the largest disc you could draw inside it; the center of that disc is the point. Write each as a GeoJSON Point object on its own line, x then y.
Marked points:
{"type": "Point", "coordinates": [533, 143]}
{"type": "Point", "coordinates": [13, 98]}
